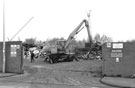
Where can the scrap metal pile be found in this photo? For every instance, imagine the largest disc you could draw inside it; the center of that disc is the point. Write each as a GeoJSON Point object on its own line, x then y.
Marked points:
{"type": "Point", "coordinates": [90, 52]}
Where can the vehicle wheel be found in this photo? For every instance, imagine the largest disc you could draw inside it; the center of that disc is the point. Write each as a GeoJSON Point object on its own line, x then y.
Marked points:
{"type": "Point", "coordinates": [50, 61]}
{"type": "Point", "coordinates": [69, 58]}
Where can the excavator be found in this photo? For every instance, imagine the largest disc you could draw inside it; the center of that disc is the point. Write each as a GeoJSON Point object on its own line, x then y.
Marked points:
{"type": "Point", "coordinates": [61, 51]}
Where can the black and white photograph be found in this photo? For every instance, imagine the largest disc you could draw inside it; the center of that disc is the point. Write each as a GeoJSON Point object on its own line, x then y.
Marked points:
{"type": "Point", "coordinates": [67, 44]}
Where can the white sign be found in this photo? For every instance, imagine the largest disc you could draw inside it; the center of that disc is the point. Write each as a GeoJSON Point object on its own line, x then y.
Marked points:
{"type": "Point", "coordinates": [118, 45]}
{"type": "Point", "coordinates": [108, 45]}
{"type": "Point", "coordinates": [18, 46]}
{"type": "Point", "coordinates": [116, 54]}
{"type": "Point", "coordinates": [117, 60]}
{"type": "Point", "coordinates": [117, 51]}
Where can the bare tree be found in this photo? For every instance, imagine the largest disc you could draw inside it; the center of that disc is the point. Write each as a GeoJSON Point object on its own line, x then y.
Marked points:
{"type": "Point", "coordinates": [30, 41]}
{"type": "Point", "coordinates": [97, 37]}
{"type": "Point", "coordinates": [102, 39]}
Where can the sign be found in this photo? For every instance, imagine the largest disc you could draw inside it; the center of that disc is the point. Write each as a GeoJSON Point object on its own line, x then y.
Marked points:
{"type": "Point", "coordinates": [108, 45]}
{"type": "Point", "coordinates": [13, 52]}
{"type": "Point", "coordinates": [117, 60]}
{"type": "Point", "coordinates": [18, 46]}
{"type": "Point", "coordinates": [116, 55]}
{"type": "Point", "coordinates": [117, 45]}
{"type": "Point", "coordinates": [116, 51]}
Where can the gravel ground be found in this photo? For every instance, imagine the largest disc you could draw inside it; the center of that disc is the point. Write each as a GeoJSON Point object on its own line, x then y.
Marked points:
{"type": "Point", "coordinates": [81, 74]}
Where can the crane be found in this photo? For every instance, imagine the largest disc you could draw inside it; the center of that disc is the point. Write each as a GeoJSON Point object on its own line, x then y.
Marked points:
{"type": "Point", "coordinates": [61, 51]}
{"type": "Point", "coordinates": [77, 30]}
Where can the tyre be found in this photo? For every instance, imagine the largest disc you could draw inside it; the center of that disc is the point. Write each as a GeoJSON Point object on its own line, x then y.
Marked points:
{"type": "Point", "coordinates": [50, 61]}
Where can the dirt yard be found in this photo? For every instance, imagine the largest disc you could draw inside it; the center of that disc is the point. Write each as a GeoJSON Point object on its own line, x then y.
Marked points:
{"type": "Point", "coordinates": [78, 73]}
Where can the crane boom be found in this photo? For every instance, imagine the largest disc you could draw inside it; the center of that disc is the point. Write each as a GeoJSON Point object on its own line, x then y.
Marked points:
{"type": "Point", "coordinates": [77, 30]}
{"type": "Point", "coordinates": [61, 51]}
{"type": "Point", "coordinates": [22, 28]}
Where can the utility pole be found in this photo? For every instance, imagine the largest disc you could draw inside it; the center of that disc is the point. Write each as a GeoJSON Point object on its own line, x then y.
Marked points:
{"type": "Point", "coordinates": [4, 59]}
{"type": "Point", "coordinates": [88, 15]}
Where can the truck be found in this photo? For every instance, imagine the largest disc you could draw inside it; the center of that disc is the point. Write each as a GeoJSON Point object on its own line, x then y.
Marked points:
{"type": "Point", "coordinates": [61, 50]}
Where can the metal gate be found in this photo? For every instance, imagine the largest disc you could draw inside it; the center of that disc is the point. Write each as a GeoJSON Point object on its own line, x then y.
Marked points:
{"type": "Point", "coordinates": [13, 55]}
{"type": "Point", "coordinates": [119, 59]}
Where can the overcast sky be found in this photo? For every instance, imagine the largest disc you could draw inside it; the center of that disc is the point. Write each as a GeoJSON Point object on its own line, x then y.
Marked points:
{"type": "Point", "coordinates": [58, 18]}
